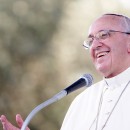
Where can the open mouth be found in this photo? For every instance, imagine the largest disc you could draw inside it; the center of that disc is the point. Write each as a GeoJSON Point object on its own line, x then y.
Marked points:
{"type": "Point", "coordinates": [102, 54]}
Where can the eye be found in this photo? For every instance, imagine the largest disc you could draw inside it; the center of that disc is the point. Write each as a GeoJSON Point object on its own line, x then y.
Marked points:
{"type": "Point", "coordinates": [103, 35]}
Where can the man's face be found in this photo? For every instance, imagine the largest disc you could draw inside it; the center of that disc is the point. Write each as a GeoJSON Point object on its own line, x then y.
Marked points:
{"type": "Point", "coordinates": [109, 55]}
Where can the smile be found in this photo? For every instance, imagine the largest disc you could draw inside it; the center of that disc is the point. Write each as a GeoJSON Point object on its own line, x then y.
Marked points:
{"type": "Point", "coordinates": [101, 54]}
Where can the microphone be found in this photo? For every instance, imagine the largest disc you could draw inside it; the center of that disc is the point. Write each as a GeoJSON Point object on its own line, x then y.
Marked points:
{"type": "Point", "coordinates": [85, 80]}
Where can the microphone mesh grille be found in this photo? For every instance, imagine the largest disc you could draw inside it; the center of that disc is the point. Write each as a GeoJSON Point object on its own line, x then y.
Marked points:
{"type": "Point", "coordinates": [89, 79]}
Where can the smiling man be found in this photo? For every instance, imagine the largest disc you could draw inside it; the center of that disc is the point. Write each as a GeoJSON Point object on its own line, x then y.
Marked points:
{"type": "Point", "coordinates": [109, 40]}
{"type": "Point", "coordinates": [105, 105]}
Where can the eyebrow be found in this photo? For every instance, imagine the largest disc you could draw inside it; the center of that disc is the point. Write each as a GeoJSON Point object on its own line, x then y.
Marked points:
{"type": "Point", "coordinates": [91, 35]}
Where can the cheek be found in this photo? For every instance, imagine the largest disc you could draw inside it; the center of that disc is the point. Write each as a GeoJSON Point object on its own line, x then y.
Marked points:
{"type": "Point", "coordinates": [118, 55]}
{"type": "Point", "coordinates": [91, 54]}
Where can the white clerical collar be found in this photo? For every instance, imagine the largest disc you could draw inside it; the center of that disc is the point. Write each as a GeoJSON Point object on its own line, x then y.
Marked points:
{"type": "Point", "coordinates": [120, 79]}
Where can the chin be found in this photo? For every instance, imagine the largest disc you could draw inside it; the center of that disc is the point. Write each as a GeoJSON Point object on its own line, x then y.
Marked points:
{"type": "Point", "coordinates": [104, 71]}
{"type": "Point", "coordinates": [101, 69]}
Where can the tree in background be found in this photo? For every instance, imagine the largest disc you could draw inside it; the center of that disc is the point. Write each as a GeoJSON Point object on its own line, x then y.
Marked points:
{"type": "Point", "coordinates": [40, 53]}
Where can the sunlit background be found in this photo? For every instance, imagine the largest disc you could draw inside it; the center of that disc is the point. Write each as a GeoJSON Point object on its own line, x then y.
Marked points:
{"type": "Point", "coordinates": [41, 53]}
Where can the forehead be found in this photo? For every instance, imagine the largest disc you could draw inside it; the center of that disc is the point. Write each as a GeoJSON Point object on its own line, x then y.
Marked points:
{"type": "Point", "coordinates": [107, 22]}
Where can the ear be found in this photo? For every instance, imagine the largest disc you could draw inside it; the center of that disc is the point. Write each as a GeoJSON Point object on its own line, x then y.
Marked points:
{"type": "Point", "coordinates": [128, 47]}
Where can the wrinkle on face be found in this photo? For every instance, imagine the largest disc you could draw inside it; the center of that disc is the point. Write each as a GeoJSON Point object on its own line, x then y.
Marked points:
{"type": "Point", "coordinates": [116, 44]}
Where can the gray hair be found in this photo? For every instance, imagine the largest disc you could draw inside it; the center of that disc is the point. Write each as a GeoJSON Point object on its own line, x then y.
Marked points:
{"type": "Point", "coordinates": [125, 20]}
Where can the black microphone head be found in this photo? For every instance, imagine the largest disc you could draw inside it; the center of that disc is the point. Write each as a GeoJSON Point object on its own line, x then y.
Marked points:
{"type": "Point", "coordinates": [88, 79]}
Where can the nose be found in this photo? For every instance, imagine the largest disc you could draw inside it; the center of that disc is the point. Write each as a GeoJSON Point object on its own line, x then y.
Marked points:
{"type": "Point", "coordinates": [96, 44]}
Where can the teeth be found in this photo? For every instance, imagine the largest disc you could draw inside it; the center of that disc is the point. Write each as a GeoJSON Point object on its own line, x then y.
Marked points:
{"type": "Point", "coordinates": [102, 54]}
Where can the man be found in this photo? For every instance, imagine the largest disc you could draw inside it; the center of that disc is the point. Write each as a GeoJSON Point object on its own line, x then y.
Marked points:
{"type": "Point", "coordinates": [105, 105]}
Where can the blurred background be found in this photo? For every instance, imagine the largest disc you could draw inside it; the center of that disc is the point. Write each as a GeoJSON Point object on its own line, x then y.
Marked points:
{"type": "Point", "coordinates": [41, 53]}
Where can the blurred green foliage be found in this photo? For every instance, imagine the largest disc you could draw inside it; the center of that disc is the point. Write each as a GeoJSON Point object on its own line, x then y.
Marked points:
{"type": "Point", "coordinates": [26, 28]}
{"type": "Point", "coordinates": [40, 54]}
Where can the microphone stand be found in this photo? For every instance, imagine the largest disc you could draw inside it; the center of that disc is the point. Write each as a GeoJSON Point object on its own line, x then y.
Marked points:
{"type": "Point", "coordinates": [55, 98]}
{"type": "Point", "coordinates": [86, 79]}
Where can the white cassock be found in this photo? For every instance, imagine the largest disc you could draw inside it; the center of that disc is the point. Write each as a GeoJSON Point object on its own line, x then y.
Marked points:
{"type": "Point", "coordinates": [103, 106]}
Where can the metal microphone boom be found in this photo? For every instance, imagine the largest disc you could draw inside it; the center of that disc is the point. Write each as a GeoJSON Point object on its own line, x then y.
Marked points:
{"type": "Point", "coordinates": [85, 80]}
